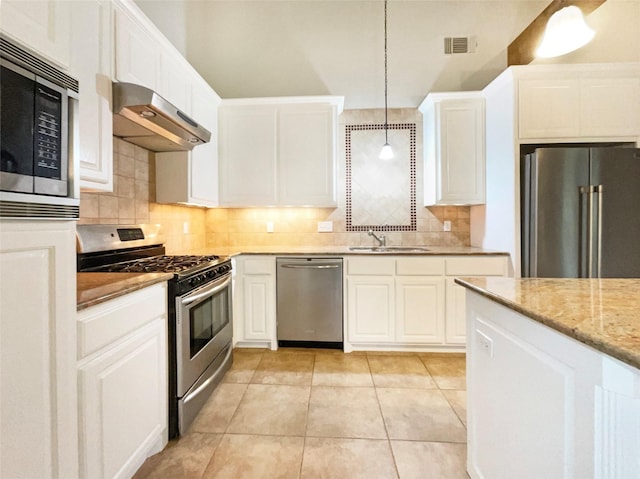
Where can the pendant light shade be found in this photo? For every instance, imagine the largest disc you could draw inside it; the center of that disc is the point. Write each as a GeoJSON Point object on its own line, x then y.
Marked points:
{"type": "Point", "coordinates": [386, 153]}
{"type": "Point", "coordinates": [566, 31]}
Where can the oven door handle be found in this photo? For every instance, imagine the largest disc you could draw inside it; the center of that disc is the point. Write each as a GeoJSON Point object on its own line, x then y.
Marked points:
{"type": "Point", "coordinates": [207, 291]}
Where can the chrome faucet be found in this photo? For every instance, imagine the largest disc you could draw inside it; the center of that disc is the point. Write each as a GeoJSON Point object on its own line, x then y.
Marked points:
{"type": "Point", "coordinates": [382, 240]}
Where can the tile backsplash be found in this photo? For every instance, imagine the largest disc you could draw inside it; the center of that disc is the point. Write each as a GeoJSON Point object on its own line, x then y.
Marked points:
{"type": "Point", "coordinates": [133, 201]}
{"type": "Point", "coordinates": [187, 229]}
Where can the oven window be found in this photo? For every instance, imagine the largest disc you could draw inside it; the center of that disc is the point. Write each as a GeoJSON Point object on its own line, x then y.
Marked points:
{"type": "Point", "coordinates": [206, 319]}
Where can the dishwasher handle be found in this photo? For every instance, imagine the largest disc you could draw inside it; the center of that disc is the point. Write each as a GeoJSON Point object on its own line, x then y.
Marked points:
{"type": "Point", "coordinates": [305, 266]}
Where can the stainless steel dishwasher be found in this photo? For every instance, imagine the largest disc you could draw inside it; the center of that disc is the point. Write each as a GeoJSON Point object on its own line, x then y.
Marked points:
{"type": "Point", "coordinates": [309, 305]}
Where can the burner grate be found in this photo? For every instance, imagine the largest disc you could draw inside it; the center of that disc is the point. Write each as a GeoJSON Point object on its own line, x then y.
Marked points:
{"type": "Point", "coordinates": [166, 264]}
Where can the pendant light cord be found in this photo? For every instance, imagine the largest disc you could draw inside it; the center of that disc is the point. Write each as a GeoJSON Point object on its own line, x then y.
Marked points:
{"type": "Point", "coordinates": [386, 128]}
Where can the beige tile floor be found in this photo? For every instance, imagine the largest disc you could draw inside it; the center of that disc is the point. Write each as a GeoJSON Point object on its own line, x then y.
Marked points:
{"type": "Point", "coordinates": [304, 413]}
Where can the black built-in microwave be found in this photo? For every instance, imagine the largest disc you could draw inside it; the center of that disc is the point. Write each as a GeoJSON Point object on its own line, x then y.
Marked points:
{"type": "Point", "coordinates": [36, 105]}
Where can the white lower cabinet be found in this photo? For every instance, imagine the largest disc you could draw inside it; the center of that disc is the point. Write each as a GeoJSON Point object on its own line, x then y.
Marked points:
{"type": "Point", "coordinates": [370, 303]}
{"type": "Point", "coordinates": [122, 382]}
{"type": "Point", "coordinates": [391, 302]}
{"type": "Point", "coordinates": [540, 404]}
{"type": "Point", "coordinates": [254, 302]}
{"type": "Point", "coordinates": [420, 310]}
{"type": "Point", "coordinates": [411, 302]}
{"type": "Point", "coordinates": [38, 390]}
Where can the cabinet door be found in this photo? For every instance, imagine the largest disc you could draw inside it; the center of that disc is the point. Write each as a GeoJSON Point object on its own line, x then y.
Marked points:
{"type": "Point", "coordinates": [549, 108]}
{"type": "Point", "coordinates": [455, 324]}
{"type": "Point", "coordinates": [44, 26]}
{"type": "Point", "coordinates": [91, 60]}
{"type": "Point", "coordinates": [204, 158]}
{"type": "Point", "coordinates": [420, 307]}
{"type": "Point", "coordinates": [137, 57]}
{"type": "Point", "coordinates": [38, 401]}
{"type": "Point", "coordinates": [248, 156]}
{"type": "Point", "coordinates": [175, 83]}
{"type": "Point", "coordinates": [370, 309]}
{"type": "Point", "coordinates": [610, 107]}
{"type": "Point", "coordinates": [258, 306]}
{"type": "Point", "coordinates": [124, 403]}
{"type": "Point", "coordinates": [617, 421]}
{"type": "Point", "coordinates": [306, 155]}
{"type": "Point", "coordinates": [461, 152]}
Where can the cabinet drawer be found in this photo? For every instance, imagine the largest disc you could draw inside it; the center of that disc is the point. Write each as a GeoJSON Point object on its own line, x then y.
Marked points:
{"type": "Point", "coordinates": [476, 266]}
{"type": "Point", "coordinates": [420, 266]}
{"type": "Point", "coordinates": [105, 323]}
{"type": "Point", "coordinates": [259, 266]}
{"type": "Point", "coordinates": [372, 266]}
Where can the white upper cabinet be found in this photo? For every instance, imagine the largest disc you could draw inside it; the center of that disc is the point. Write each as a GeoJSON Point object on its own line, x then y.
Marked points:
{"type": "Point", "coordinates": [610, 106]}
{"type": "Point", "coordinates": [43, 26]}
{"type": "Point", "coordinates": [204, 158]}
{"type": "Point", "coordinates": [454, 148]}
{"type": "Point", "coordinates": [137, 56]}
{"type": "Point", "coordinates": [306, 153]}
{"type": "Point", "coordinates": [91, 61]}
{"type": "Point", "coordinates": [594, 102]}
{"type": "Point", "coordinates": [191, 177]}
{"type": "Point", "coordinates": [278, 151]}
{"type": "Point", "coordinates": [248, 155]}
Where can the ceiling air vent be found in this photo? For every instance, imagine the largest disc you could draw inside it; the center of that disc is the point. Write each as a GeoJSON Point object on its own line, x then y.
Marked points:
{"type": "Point", "coordinates": [459, 45]}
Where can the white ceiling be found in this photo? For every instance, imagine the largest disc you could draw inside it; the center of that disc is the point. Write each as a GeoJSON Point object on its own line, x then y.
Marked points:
{"type": "Point", "coordinates": [335, 47]}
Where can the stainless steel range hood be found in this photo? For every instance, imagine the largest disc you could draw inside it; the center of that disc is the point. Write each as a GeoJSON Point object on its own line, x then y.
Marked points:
{"type": "Point", "coordinates": [144, 118]}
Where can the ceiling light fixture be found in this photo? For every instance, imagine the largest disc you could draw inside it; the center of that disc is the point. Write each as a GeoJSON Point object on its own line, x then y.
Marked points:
{"type": "Point", "coordinates": [386, 153]}
{"type": "Point", "coordinates": [566, 31]}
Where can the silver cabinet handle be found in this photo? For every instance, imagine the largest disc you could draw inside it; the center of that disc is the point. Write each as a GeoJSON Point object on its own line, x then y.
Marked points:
{"type": "Point", "coordinates": [302, 266]}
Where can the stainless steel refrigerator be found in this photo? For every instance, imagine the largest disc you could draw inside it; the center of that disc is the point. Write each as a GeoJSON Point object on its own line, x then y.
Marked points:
{"type": "Point", "coordinates": [580, 210]}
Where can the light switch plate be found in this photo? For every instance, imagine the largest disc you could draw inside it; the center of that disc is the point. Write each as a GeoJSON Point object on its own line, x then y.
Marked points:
{"type": "Point", "coordinates": [325, 226]}
{"type": "Point", "coordinates": [446, 226]}
{"type": "Point", "coordinates": [269, 226]}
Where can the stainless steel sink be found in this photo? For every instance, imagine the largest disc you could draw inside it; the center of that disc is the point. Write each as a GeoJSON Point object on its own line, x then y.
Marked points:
{"type": "Point", "coordinates": [389, 249]}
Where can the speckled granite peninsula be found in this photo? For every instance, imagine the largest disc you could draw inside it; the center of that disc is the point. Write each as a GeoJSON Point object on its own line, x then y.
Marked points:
{"type": "Point", "coordinates": [602, 313]}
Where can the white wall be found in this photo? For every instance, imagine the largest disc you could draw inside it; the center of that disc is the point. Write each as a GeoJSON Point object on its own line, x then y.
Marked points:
{"type": "Point", "coordinates": [617, 26]}
{"type": "Point", "coordinates": [317, 47]}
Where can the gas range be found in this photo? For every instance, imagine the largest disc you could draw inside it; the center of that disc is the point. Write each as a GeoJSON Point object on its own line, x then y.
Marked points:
{"type": "Point", "coordinates": [138, 249]}
{"type": "Point", "coordinates": [199, 308]}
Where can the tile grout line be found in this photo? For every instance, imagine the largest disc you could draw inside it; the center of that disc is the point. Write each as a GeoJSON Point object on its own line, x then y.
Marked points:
{"type": "Point", "coordinates": [384, 422]}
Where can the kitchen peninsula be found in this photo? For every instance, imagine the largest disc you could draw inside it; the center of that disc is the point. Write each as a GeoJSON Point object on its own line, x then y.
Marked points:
{"type": "Point", "coordinates": [553, 372]}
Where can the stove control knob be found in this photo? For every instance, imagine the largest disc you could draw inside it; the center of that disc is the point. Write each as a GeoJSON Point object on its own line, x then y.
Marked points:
{"type": "Point", "coordinates": [193, 281]}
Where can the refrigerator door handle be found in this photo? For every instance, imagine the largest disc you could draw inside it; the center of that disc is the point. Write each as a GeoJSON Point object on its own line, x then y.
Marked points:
{"type": "Point", "coordinates": [598, 190]}
{"type": "Point", "coordinates": [583, 212]}
{"type": "Point", "coordinates": [589, 190]}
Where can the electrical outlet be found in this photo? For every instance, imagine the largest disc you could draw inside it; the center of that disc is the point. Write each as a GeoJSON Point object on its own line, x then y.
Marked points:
{"type": "Point", "coordinates": [325, 226]}
{"type": "Point", "coordinates": [485, 343]}
{"type": "Point", "coordinates": [446, 226]}
{"type": "Point", "coordinates": [185, 227]}
{"type": "Point", "coordinates": [269, 226]}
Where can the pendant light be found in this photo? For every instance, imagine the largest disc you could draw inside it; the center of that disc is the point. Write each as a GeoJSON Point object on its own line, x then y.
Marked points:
{"type": "Point", "coordinates": [566, 31]}
{"type": "Point", "coordinates": [386, 153]}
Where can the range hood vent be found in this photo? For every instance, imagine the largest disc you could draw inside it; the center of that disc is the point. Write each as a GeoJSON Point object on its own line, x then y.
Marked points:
{"type": "Point", "coordinates": [144, 118]}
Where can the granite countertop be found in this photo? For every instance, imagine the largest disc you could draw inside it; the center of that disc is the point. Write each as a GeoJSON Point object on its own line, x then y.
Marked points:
{"type": "Point", "coordinates": [344, 250]}
{"type": "Point", "coordinates": [95, 288]}
{"type": "Point", "coordinates": [602, 313]}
